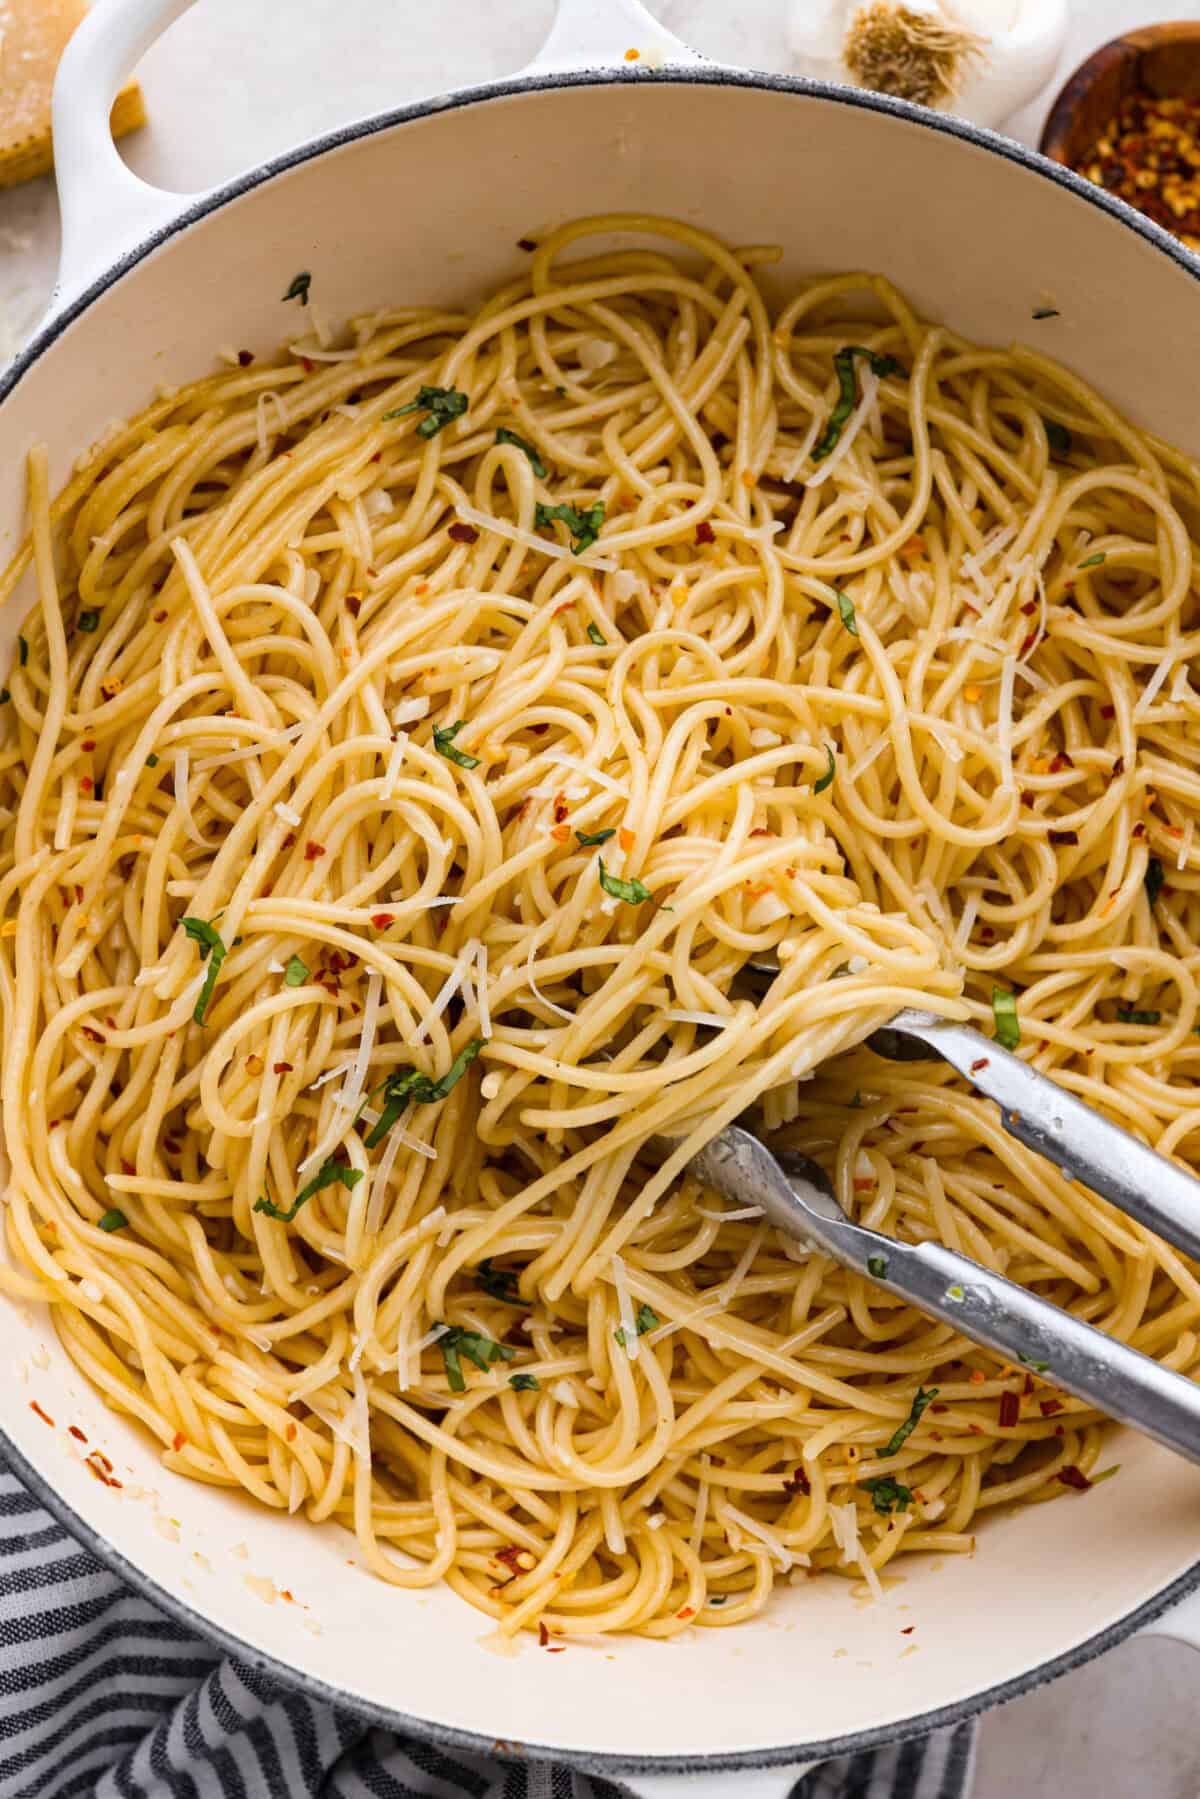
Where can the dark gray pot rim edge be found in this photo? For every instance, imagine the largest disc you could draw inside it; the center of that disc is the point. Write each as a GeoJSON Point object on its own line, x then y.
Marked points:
{"type": "Point", "coordinates": [588, 1761]}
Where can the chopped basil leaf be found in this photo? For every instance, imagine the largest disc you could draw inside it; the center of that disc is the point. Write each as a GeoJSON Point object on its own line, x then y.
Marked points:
{"type": "Point", "coordinates": [843, 363]}
{"type": "Point", "coordinates": [505, 436]}
{"type": "Point", "coordinates": [298, 289]}
{"type": "Point", "coordinates": [717, 1598]}
{"type": "Point", "coordinates": [1153, 879]}
{"type": "Point", "coordinates": [212, 951]}
{"type": "Point", "coordinates": [846, 613]}
{"type": "Point", "coordinates": [408, 1086]}
{"type": "Point", "coordinates": [646, 1320]}
{"type": "Point", "coordinates": [1132, 1015]}
{"type": "Point", "coordinates": [588, 838]}
{"type": "Point", "coordinates": [329, 1174]}
{"type": "Point", "coordinates": [905, 1431]}
{"type": "Point", "coordinates": [499, 1283]}
{"type": "Point", "coordinates": [1038, 1367]}
{"type": "Point", "coordinates": [23, 648]}
{"type": "Point", "coordinates": [152, 761]}
{"type": "Point", "coordinates": [632, 892]}
{"type": "Point", "coordinates": [888, 1495]}
{"type": "Point", "coordinates": [597, 637]}
{"type": "Point", "coordinates": [1046, 312]}
{"type": "Point", "coordinates": [439, 404]}
{"type": "Point", "coordinates": [457, 1342]}
{"type": "Point", "coordinates": [88, 620]}
{"type": "Point", "coordinates": [1007, 1030]}
{"type": "Point", "coordinates": [583, 526]}
{"type": "Point", "coordinates": [1094, 561]}
{"type": "Point", "coordinates": [826, 779]}
{"type": "Point", "coordinates": [1059, 438]}
{"type": "Point", "coordinates": [443, 743]}
{"type": "Point", "coordinates": [523, 1383]}
{"type": "Point", "coordinates": [114, 1220]}
{"type": "Point", "coordinates": [295, 974]}
{"type": "Point", "coordinates": [856, 1102]}
{"type": "Point", "coordinates": [877, 1265]}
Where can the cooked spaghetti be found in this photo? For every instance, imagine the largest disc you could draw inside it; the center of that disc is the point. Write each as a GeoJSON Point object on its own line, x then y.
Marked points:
{"type": "Point", "coordinates": [411, 742]}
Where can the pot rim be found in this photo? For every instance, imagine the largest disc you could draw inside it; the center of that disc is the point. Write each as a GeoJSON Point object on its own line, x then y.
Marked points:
{"type": "Point", "coordinates": [605, 1763]}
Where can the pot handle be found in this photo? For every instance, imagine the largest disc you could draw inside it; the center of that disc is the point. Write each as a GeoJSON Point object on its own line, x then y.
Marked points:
{"type": "Point", "coordinates": [590, 34]}
{"type": "Point", "coordinates": [1181, 1623]}
{"type": "Point", "coordinates": [729, 1783]}
{"type": "Point", "coordinates": [107, 210]}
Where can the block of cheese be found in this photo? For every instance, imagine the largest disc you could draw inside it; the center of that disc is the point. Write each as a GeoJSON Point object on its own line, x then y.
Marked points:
{"type": "Point", "coordinates": [33, 35]}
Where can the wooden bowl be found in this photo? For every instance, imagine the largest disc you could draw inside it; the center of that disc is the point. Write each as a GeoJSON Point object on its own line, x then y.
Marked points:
{"type": "Point", "coordinates": [1160, 60]}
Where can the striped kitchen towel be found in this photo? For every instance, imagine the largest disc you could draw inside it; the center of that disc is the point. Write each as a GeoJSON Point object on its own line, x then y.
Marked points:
{"type": "Point", "coordinates": [102, 1696]}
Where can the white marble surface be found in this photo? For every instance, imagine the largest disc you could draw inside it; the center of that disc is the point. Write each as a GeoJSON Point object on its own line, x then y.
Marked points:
{"type": "Point", "coordinates": [233, 82]}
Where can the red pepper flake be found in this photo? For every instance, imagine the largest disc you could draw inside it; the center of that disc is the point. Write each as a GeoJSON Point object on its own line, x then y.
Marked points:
{"type": "Point", "coordinates": [865, 1184]}
{"type": "Point", "coordinates": [940, 1406]}
{"type": "Point", "coordinates": [1027, 644]}
{"type": "Point", "coordinates": [44, 1416]}
{"type": "Point", "coordinates": [1029, 607]}
{"type": "Point", "coordinates": [101, 1467]}
{"type": "Point", "coordinates": [686, 1611]}
{"type": "Point", "coordinates": [1108, 712]}
{"type": "Point", "coordinates": [158, 617]}
{"type": "Point", "coordinates": [245, 358]}
{"type": "Point", "coordinates": [982, 1062]}
{"type": "Point", "coordinates": [353, 604]}
{"type": "Point", "coordinates": [1071, 1476]}
{"type": "Point", "coordinates": [281, 1068]}
{"type": "Point", "coordinates": [543, 1635]}
{"type": "Point", "coordinates": [313, 850]}
{"type": "Point", "coordinates": [290, 1433]}
{"type": "Point", "coordinates": [74, 1431]}
{"type": "Point", "coordinates": [307, 365]}
{"type": "Point", "coordinates": [1067, 837]}
{"type": "Point", "coordinates": [561, 809]}
{"type": "Point", "coordinates": [561, 833]}
{"type": "Point", "coordinates": [285, 1594]}
{"type": "Point", "coordinates": [705, 532]}
{"type": "Point", "coordinates": [567, 606]}
{"type": "Point", "coordinates": [986, 932]}
{"type": "Point", "coordinates": [464, 533]}
{"type": "Point", "coordinates": [1010, 1410]}
{"type": "Point", "coordinates": [906, 1630]}
{"type": "Point", "coordinates": [797, 1482]}
{"type": "Point", "coordinates": [1139, 830]}
{"type": "Point", "coordinates": [420, 588]}
{"type": "Point", "coordinates": [976, 1430]}
{"type": "Point", "coordinates": [1027, 1386]}
{"type": "Point", "coordinates": [89, 743]}
{"type": "Point", "coordinates": [381, 920]}
{"type": "Point", "coordinates": [178, 1441]}
{"type": "Point", "coordinates": [1118, 766]}
{"type": "Point", "coordinates": [1060, 762]}
{"type": "Point", "coordinates": [977, 1377]}
{"type": "Point", "coordinates": [626, 839]}
{"type": "Point", "coordinates": [85, 786]}
{"type": "Point", "coordinates": [1048, 1407]}
{"type": "Point", "coordinates": [92, 1035]}
{"type": "Point", "coordinates": [288, 841]}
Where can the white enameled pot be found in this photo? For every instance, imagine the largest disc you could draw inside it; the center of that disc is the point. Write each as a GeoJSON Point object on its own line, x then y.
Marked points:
{"type": "Point", "coordinates": [427, 203]}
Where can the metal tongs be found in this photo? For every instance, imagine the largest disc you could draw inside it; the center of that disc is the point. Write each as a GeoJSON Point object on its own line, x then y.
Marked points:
{"type": "Point", "coordinates": [796, 1196]}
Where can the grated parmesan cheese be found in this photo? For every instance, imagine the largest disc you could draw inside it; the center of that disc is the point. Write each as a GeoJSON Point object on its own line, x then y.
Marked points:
{"type": "Point", "coordinates": [287, 813]}
{"type": "Point", "coordinates": [471, 515]}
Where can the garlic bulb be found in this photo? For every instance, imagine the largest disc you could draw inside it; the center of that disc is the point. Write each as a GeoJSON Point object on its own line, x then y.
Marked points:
{"type": "Point", "coordinates": [981, 59]}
